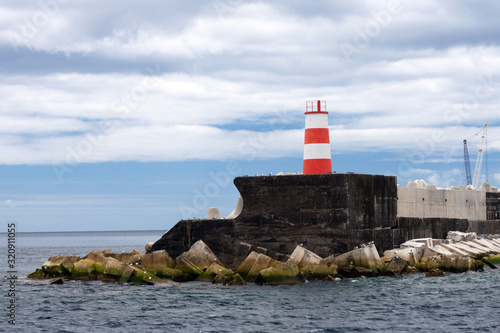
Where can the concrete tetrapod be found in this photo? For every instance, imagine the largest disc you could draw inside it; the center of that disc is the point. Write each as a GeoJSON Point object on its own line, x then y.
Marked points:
{"type": "Point", "coordinates": [199, 254]}
{"type": "Point", "coordinates": [365, 256]}
{"type": "Point", "coordinates": [303, 257]}
{"type": "Point", "coordinates": [261, 262]}
{"type": "Point", "coordinates": [286, 274]}
{"type": "Point", "coordinates": [160, 264]}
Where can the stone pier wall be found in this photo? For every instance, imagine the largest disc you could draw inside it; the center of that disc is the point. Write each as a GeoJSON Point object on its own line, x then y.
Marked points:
{"type": "Point", "coordinates": [327, 214]}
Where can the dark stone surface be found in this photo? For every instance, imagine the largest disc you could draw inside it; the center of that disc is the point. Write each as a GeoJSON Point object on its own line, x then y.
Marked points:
{"type": "Point", "coordinates": [412, 227]}
{"type": "Point", "coordinates": [490, 227]}
{"type": "Point", "coordinates": [327, 214]}
{"type": "Point", "coordinates": [493, 206]}
{"type": "Point", "coordinates": [217, 234]}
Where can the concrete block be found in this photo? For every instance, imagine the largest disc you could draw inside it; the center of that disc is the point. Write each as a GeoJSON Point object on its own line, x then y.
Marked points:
{"type": "Point", "coordinates": [458, 236]}
{"type": "Point", "coordinates": [495, 241]}
{"type": "Point", "coordinates": [438, 250]}
{"type": "Point", "coordinates": [199, 254]}
{"type": "Point", "coordinates": [247, 264]}
{"type": "Point", "coordinates": [261, 262]}
{"type": "Point", "coordinates": [455, 250]}
{"type": "Point", "coordinates": [418, 249]}
{"type": "Point", "coordinates": [366, 256]}
{"type": "Point", "coordinates": [409, 255]}
{"type": "Point", "coordinates": [303, 257]}
{"type": "Point", "coordinates": [467, 249]}
{"type": "Point", "coordinates": [479, 247]}
{"type": "Point", "coordinates": [488, 244]}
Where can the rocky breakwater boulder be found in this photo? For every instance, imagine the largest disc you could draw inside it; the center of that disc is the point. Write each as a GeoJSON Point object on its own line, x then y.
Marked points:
{"type": "Point", "coordinates": [58, 266]}
{"type": "Point", "coordinates": [362, 261]}
{"type": "Point", "coordinates": [313, 267]}
{"type": "Point", "coordinates": [251, 267]}
{"type": "Point", "coordinates": [160, 264]}
{"type": "Point", "coordinates": [97, 266]}
{"type": "Point", "coordinates": [287, 273]}
{"type": "Point", "coordinates": [460, 252]}
{"type": "Point", "coordinates": [103, 266]}
{"type": "Point", "coordinates": [302, 265]}
{"type": "Point", "coordinates": [201, 264]}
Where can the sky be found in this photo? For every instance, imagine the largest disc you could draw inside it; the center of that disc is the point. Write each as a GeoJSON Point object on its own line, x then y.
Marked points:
{"type": "Point", "coordinates": [128, 115]}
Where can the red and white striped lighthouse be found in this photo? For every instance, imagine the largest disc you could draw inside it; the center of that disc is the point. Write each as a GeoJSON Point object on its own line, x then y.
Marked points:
{"type": "Point", "coordinates": [317, 153]}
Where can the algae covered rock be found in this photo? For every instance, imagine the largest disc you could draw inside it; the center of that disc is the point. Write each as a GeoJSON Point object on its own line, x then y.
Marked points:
{"type": "Point", "coordinates": [435, 272]}
{"type": "Point", "coordinates": [195, 262]}
{"type": "Point", "coordinates": [261, 263]}
{"type": "Point", "coordinates": [132, 257]}
{"type": "Point", "coordinates": [213, 271]}
{"type": "Point", "coordinates": [56, 260]}
{"type": "Point", "coordinates": [247, 264]}
{"type": "Point", "coordinates": [453, 264]}
{"type": "Point", "coordinates": [117, 270]}
{"type": "Point", "coordinates": [286, 274]}
{"type": "Point", "coordinates": [91, 267]}
{"type": "Point", "coordinates": [396, 266]}
{"type": "Point", "coordinates": [157, 262]}
{"type": "Point", "coordinates": [199, 254]}
{"type": "Point", "coordinates": [139, 276]}
{"type": "Point", "coordinates": [492, 260]}
{"type": "Point", "coordinates": [351, 271]}
{"type": "Point", "coordinates": [319, 272]}
{"type": "Point", "coordinates": [189, 270]}
{"type": "Point", "coordinates": [428, 263]}
{"type": "Point", "coordinates": [236, 280]}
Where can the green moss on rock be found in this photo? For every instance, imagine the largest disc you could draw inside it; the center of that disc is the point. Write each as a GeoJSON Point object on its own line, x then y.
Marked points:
{"type": "Point", "coordinates": [319, 272]}
{"type": "Point", "coordinates": [38, 274]}
{"type": "Point", "coordinates": [493, 260]}
{"type": "Point", "coordinates": [286, 274]}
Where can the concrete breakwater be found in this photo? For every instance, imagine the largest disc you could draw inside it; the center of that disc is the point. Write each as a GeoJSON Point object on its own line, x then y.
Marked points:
{"type": "Point", "coordinates": [333, 214]}
{"type": "Point", "coordinates": [460, 252]}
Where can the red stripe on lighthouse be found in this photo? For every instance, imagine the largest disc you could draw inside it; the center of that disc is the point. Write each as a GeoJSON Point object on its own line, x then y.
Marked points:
{"type": "Point", "coordinates": [317, 166]}
{"type": "Point", "coordinates": [317, 135]}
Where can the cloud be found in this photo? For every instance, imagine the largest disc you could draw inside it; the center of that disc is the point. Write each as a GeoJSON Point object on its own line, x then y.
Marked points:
{"type": "Point", "coordinates": [9, 203]}
{"type": "Point", "coordinates": [201, 80]}
{"type": "Point", "coordinates": [497, 178]}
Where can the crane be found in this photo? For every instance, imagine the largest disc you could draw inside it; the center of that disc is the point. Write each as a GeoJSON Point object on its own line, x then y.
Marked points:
{"type": "Point", "coordinates": [467, 164]}
{"type": "Point", "coordinates": [479, 161]}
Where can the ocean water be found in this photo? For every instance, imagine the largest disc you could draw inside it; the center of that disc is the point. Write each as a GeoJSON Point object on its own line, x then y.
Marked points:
{"type": "Point", "coordinates": [467, 302]}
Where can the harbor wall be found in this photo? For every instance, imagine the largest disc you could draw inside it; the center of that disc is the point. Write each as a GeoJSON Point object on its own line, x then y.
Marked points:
{"type": "Point", "coordinates": [333, 214]}
{"type": "Point", "coordinates": [327, 214]}
{"type": "Point", "coordinates": [457, 203]}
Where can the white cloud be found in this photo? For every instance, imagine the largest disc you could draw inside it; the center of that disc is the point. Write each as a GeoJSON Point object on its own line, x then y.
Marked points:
{"type": "Point", "coordinates": [9, 203]}
{"type": "Point", "coordinates": [219, 76]}
{"type": "Point", "coordinates": [497, 178]}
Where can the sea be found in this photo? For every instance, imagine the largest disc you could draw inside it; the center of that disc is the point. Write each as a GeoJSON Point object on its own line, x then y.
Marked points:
{"type": "Point", "coordinates": [468, 302]}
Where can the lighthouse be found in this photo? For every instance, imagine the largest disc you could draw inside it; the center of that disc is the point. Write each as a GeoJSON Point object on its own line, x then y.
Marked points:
{"type": "Point", "coordinates": [317, 153]}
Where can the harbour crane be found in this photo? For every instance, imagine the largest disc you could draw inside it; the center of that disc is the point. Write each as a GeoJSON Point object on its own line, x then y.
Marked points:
{"type": "Point", "coordinates": [467, 164]}
{"type": "Point", "coordinates": [479, 161]}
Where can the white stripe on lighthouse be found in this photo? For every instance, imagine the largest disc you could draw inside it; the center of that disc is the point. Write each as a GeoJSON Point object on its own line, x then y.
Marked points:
{"type": "Point", "coordinates": [317, 120]}
{"type": "Point", "coordinates": [317, 151]}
